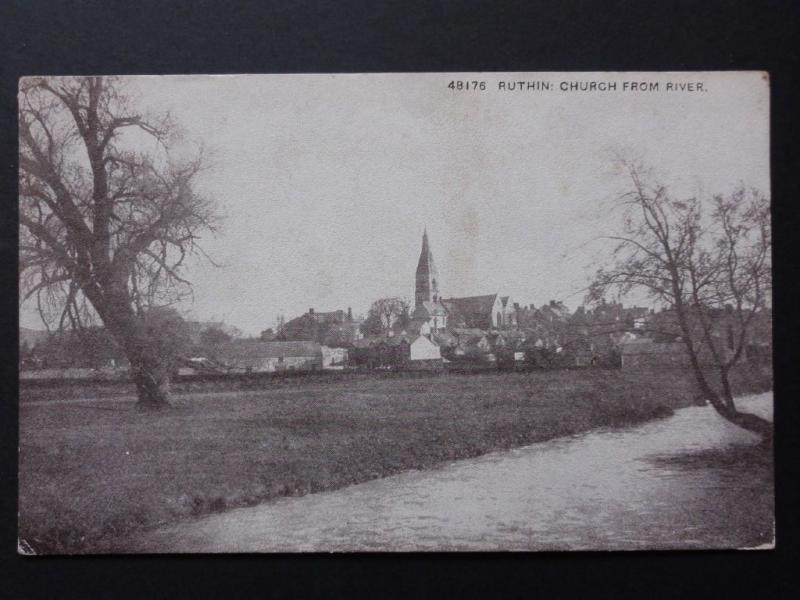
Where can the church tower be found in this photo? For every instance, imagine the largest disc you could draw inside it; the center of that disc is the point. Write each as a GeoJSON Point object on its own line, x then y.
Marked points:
{"type": "Point", "coordinates": [427, 288]}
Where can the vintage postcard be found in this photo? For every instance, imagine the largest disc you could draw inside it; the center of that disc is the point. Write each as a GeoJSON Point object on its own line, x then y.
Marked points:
{"type": "Point", "coordinates": [395, 312]}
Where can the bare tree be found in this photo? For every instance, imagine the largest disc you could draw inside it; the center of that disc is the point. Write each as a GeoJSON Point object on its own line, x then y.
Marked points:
{"type": "Point", "coordinates": [709, 266]}
{"type": "Point", "coordinates": [105, 226]}
{"type": "Point", "coordinates": [384, 314]}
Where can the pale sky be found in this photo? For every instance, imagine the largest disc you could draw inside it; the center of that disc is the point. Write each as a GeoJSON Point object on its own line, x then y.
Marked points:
{"type": "Point", "coordinates": [327, 181]}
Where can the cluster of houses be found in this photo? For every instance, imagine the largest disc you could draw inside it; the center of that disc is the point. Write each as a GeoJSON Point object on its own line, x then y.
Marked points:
{"type": "Point", "coordinates": [488, 330]}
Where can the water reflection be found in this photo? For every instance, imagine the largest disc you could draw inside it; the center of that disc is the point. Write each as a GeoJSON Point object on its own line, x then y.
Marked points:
{"type": "Point", "coordinates": [608, 489]}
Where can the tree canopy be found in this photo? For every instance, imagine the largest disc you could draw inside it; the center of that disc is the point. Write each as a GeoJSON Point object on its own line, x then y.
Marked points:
{"type": "Point", "coordinates": [386, 313]}
{"type": "Point", "coordinates": [108, 214]}
{"type": "Point", "coordinates": [708, 262]}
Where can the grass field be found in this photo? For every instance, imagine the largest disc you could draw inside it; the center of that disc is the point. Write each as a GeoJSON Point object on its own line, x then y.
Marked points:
{"type": "Point", "coordinates": [92, 471]}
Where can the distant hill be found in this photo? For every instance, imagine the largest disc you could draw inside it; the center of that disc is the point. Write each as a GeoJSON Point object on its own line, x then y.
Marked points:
{"type": "Point", "coordinates": [31, 337]}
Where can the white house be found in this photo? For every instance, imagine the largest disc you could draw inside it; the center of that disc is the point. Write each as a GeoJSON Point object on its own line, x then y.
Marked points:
{"type": "Point", "coordinates": [423, 349]}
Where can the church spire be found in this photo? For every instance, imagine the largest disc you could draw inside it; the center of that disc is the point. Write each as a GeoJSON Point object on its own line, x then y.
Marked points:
{"type": "Point", "coordinates": [427, 284]}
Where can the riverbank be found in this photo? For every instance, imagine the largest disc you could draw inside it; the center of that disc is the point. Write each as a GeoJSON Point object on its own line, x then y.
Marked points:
{"type": "Point", "coordinates": [689, 481]}
{"type": "Point", "coordinates": [94, 471]}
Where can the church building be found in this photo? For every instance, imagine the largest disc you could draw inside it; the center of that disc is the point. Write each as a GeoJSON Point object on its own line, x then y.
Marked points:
{"type": "Point", "coordinates": [428, 308]}
{"type": "Point", "coordinates": [434, 314]}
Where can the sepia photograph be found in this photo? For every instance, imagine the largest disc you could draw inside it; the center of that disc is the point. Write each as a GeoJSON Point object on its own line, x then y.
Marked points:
{"type": "Point", "coordinates": [395, 312]}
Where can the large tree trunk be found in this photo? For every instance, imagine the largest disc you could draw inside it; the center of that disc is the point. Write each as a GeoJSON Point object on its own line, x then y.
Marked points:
{"type": "Point", "coordinates": [152, 383]}
{"type": "Point", "coordinates": [752, 423]}
{"type": "Point", "coordinates": [725, 406]}
{"type": "Point", "coordinates": [748, 421]}
{"type": "Point", "coordinates": [149, 372]}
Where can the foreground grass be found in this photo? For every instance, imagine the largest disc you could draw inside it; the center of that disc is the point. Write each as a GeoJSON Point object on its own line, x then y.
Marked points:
{"type": "Point", "coordinates": [92, 472]}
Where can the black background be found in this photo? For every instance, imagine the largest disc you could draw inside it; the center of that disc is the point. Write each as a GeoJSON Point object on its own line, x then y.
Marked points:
{"type": "Point", "coordinates": [41, 37]}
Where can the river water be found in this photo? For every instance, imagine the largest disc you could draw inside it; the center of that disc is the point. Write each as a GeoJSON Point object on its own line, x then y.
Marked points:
{"type": "Point", "coordinates": [606, 489]}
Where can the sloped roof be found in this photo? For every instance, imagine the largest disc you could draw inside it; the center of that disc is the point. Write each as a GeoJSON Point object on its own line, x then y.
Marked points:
{"type": "Point", "coordinates": [271, 350]}
{"type": "Point", "coordinates": [473, 304]}
{"type": "Point", "coordinates": [472, 311]}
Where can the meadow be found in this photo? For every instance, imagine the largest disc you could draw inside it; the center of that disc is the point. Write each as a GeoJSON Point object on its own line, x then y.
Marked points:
{"type": "Point", "coordinates": [93, 469]}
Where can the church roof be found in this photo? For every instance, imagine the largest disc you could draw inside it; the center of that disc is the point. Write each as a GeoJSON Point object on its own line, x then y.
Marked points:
{"type": "Point", "coordinates": [472, 311]}
{"type": "Point", "coordinates": [473, 304]}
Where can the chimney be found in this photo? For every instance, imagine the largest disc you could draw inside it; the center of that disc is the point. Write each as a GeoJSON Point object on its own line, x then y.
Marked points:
{"type": "Point", "coordinates": [516, 305]}
{"type": "Point", "coordinates": [349, 313]}
{"type": "Point", "coordinates": [311, 311]}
